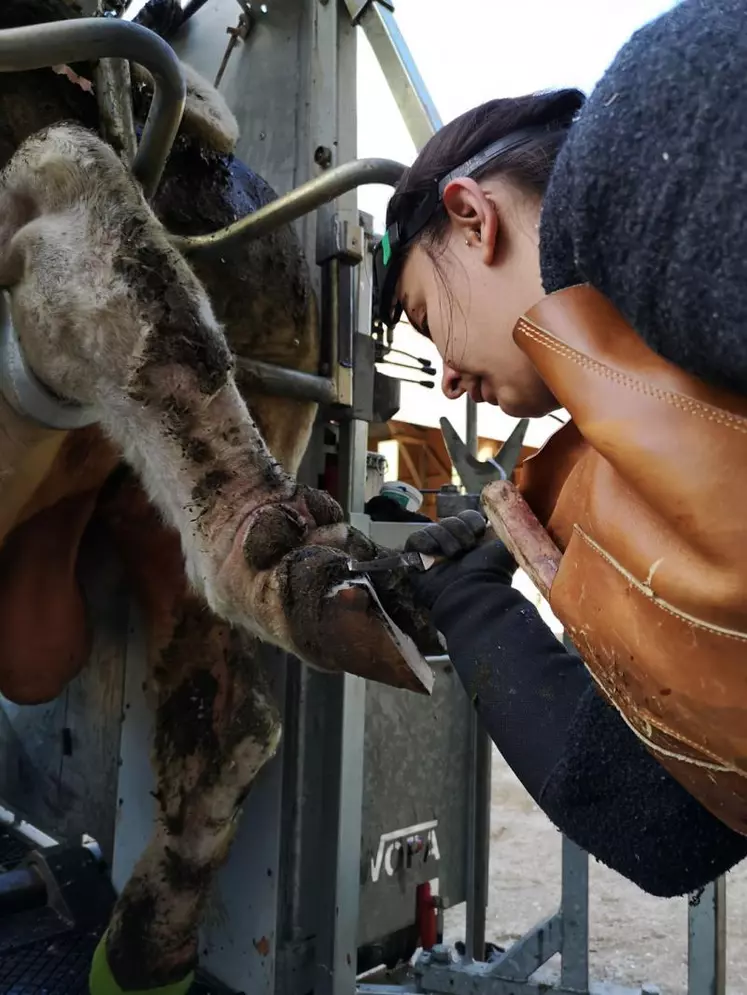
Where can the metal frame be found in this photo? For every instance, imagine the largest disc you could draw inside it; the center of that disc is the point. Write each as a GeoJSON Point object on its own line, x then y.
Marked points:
{"type": "Point", "coordinates": [566, 932]}
{"type": "Point", "coordinates": [316, 193]}
{"type": "Point", "coordinates": [93, 38]}
{"type": "Point", "coordinates": [421, 117]}
{"type": "Point", "coordinates": [294, 92]}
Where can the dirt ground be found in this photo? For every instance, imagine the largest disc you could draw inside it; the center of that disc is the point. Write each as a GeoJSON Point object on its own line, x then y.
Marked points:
{"type": "Point", "coordinates": [634, 938]}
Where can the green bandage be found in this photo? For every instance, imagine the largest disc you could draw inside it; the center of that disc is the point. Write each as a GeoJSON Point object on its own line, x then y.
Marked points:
{"type": "Point", "coordinates": [101, 981]}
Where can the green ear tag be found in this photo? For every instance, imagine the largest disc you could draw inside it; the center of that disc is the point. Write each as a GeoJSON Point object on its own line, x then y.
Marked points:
{"type": "Point", "coordinates": [386, 249]}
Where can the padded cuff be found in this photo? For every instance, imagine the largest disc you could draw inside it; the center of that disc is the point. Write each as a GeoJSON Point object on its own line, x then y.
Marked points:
{"type": "Point", "coordinates": [101, 981]}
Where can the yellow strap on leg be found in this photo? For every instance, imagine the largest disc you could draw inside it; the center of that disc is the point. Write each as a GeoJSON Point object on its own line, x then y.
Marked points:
{"type": "Point", "coordinates": [101, 981]}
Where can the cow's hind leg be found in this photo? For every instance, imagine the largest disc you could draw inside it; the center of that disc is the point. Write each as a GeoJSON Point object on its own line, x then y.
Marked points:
{"type": "Point", "coordinates": [216, 726]}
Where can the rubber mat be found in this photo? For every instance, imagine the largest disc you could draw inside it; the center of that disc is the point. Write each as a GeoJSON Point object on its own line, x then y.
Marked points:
{"type": "Point", "coordinates": [49, 967]}
{"type": "Point", "coordinates": [12, 850]}
{"type": "Point", "coordinates": [39, 955]}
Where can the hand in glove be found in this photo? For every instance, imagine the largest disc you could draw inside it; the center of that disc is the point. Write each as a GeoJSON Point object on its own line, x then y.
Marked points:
{"type": "Point", "coordinates": [462, 541]}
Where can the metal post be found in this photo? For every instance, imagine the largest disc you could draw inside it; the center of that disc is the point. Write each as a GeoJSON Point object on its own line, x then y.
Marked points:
{"type": "Point", "coordinates": [390, 48]}
{"type": "Point", "coordinates": [478, 842]}
{"type": "Point", "coordinates": [334, 61]}
{"type": "Point", "coordinates": [478, 846]}
{"type": "Point", "coordinates": [706, 940]}
{"type": "Point", "coordinates": [471, 426]}
{"type": "Point", "coordinates": [337, 939]}
{"type": "Point", "coordinates": [574, 911]}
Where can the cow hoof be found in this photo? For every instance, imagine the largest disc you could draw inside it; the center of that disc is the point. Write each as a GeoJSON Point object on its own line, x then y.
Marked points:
{"type": "Point", "coordinates": [275, 529]}
{"type": "Point", "coordinates": [323, 507]}
{"type": "Point", "coordinates": [338, 623]}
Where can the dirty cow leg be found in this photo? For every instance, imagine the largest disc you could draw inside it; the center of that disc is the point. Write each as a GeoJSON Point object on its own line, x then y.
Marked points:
{"type": "Point", "coordinates": [216, 726]}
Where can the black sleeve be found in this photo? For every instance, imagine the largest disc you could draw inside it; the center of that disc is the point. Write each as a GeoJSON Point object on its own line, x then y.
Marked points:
{"type": "Point", "coordinates": [572, 751]}
{"type": "Point", "coordinates": [648, 198]}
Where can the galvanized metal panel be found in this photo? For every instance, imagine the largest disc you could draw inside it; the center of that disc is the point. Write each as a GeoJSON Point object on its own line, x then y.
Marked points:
{"type": "Point", "coordinates": [268, 83]}
{"type": "Point", "coordinates": [418, 755]}
{"type": "Point", "coordinates": [416, 773]}
{"type": "Point", "coordinates": [239, 934]}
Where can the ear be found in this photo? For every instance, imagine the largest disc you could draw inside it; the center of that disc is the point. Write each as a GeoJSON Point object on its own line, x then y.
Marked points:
{"type": "Point", "coordinates": [206, 114]}
{"type": "Point", "coordinates": [473, 214]}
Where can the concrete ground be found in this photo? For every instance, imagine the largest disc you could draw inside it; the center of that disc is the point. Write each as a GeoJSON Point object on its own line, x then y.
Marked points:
{"type": "Point", "coordinates": [634, 938]}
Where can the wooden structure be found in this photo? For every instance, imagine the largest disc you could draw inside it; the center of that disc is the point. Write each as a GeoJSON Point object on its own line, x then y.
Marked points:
{"type": "Point", "coordinates": [423, 459]}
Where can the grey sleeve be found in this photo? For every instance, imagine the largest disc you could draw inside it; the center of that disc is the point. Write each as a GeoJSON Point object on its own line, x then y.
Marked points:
{"type": "Point", "coordinates": [648, 199]}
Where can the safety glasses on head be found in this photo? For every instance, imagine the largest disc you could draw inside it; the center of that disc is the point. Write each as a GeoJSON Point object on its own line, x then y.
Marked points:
{"type": "Point", "coordinates": [415, 209]}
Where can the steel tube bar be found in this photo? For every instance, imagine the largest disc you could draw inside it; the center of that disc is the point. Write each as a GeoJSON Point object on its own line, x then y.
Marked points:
{"type": "Point", "coordinates": [294, 205]}
{"type": "Point", "coordinates": [478, 843]}
{"type": "Point", "coordinates": [575, 917]}
{"type": "Point", "coordinates": [408, 88]}
{"type": "Point", "coordinates": [114, 97]}
{"type": "Point", "coordinates": [279, 381]}
{"type": "Point", "coordinates": [478, 840]}
{"type": "Point", "coordinates": [706, 940]}
{"type": "Point", "coordinates": [92, 38]}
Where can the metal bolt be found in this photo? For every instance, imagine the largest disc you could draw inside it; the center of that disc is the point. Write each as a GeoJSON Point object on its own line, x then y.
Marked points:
{"type": "Point", "coordinates": [323, 156]}
{"type": "Point", "coordinates": [441, 954]}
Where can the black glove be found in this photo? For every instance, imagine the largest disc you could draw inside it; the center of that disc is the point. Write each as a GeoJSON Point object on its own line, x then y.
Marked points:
{"type": "Point", "coordinates": [461, 541]}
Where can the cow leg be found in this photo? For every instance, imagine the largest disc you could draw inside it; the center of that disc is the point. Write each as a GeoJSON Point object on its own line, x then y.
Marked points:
{"type": "Point", "coordinates": [216, 726]}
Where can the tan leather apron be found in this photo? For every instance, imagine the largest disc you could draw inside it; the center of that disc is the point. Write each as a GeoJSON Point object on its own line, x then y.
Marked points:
{"type": "Point", "coordinates": [645, 492]}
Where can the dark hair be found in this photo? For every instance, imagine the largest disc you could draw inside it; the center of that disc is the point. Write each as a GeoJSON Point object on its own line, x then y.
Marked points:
{"type": "Point", "coordinates": [529, 166]}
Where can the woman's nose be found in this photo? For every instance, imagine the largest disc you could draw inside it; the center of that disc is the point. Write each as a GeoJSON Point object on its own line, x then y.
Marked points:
{"type": "Point", "coordinates": [451, 383]}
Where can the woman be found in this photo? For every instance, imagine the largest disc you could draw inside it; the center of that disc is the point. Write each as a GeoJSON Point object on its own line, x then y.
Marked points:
{"type": "Point", "coordinates": [643, 195]}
